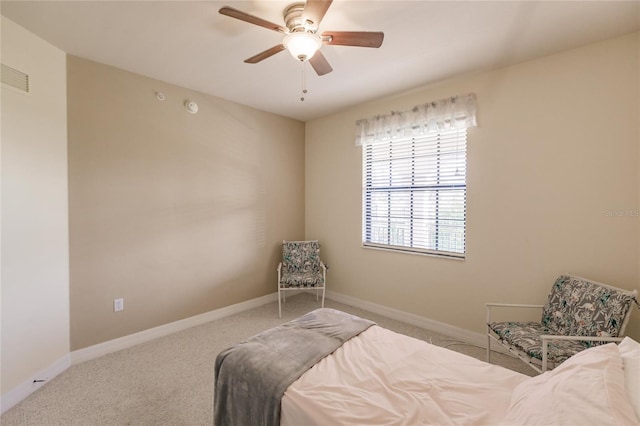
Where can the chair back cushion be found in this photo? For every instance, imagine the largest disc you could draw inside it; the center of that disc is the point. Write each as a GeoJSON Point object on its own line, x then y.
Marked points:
{"type": "Point", "coordinates": [580, 307]}
{"type": "Point", "coordinates": [301, 256]}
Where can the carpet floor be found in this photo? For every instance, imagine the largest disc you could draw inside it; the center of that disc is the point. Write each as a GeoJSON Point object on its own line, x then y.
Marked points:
{"type": "Point", "coordinates": [169, 381]}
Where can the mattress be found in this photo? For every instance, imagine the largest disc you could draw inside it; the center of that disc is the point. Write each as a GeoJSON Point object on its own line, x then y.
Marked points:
{"type": "Point", "coordinates": [382, 377]}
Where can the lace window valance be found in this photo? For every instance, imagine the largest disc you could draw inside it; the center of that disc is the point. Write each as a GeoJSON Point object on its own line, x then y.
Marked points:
{"type": "Point", "coordinates": [452, 113]}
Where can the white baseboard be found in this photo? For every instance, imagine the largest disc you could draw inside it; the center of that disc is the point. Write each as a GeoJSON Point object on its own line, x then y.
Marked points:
{"type": "Point", "coordinates": [457, 333]}
{"type": "Point", "coordinates": [125, 342]}
{"type": "Point", "coordinates": [26, 388]}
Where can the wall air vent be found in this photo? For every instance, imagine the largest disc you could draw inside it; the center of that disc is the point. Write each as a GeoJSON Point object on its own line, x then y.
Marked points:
{"type": "Point", "coordinates": [14, 78]}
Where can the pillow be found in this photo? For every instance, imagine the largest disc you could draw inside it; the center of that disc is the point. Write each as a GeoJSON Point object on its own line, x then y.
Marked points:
{"type": "Point", "coordinates": [586, 389]}
{"type": "Point", "coordinates": [630, 352]}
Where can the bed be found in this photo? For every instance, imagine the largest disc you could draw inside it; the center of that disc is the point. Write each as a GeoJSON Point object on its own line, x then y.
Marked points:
{"type": "Point", "coordinates": [373, 376]}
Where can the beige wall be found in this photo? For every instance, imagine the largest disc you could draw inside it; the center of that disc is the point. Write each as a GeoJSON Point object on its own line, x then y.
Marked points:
{"type": "Point", "coordinates": [35, 233]}
{"type": "Point", "coordinates": [555, 150]}
{"type": "Point", "coordinates": [177, 213]}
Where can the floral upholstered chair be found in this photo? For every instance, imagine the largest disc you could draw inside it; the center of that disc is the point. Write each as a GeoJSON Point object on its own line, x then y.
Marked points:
{"type": "Point", "coordinates": [579, 313]}
{"type": "Point", "coordinates": [301, 268]}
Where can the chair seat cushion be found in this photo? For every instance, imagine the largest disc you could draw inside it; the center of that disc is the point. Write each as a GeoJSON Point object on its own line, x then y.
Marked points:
{"type": "Point", "coordinates": [302, 279]}
{"type": "Point", "coordinates": [525, 337]}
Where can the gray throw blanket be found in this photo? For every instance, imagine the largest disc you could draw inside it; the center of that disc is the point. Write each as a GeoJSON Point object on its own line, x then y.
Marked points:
{"type": "Point", "coordinates": [252, 376]}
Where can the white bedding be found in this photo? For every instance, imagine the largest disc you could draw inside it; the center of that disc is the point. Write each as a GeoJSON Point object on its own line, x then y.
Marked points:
{"type": "Point", "coordinates": [384, 378]}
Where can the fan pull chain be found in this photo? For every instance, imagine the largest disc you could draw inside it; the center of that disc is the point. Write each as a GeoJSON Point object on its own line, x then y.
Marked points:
{"type": "Point", "coordinates": [304, 84]}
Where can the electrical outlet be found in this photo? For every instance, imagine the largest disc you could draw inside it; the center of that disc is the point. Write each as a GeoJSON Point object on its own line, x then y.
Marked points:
{"type": "Point", "coordinates": [118, 305]}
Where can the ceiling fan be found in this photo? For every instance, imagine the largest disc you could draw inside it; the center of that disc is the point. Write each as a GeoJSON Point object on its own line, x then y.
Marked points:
{"type": "Point", "coordinates": [301, 39]}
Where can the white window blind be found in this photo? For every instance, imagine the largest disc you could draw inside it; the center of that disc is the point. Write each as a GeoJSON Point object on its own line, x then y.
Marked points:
{"type": "Point", "coordinates": [414, 195]}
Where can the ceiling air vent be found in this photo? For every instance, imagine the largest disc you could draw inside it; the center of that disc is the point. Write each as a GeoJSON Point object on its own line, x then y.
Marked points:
{"type": "Point", "coordinates": [14, 78]}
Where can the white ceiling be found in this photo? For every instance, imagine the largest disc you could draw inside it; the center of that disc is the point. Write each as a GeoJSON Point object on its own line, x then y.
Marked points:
{"type": "Point", "coordinates": [188, 43]}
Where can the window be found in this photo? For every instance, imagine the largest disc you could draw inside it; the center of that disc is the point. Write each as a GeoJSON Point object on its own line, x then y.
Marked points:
{"type": "Point", "coordinates": [414, 184]}
{"type": "Point", "coordinates": [414, 195]}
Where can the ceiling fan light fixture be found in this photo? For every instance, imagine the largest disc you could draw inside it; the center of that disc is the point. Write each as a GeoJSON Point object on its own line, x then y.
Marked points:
{"type": "Point", "coordinates": [302, 45]}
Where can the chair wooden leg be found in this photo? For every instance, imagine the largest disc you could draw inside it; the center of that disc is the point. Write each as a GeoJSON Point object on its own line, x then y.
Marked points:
{"type": "Point", "coordinates": [279, 304]}
{"type": "Point", "coordinates": [323, 289]}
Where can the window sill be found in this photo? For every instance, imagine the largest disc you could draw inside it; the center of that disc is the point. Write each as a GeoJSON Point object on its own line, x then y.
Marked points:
{"type": "Point", "coordinates": [445, 255]}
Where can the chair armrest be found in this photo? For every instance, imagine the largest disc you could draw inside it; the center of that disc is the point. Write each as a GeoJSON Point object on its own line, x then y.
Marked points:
{"type": "Point", "coordinates": [581, 338]}
{"type": "Point", "coordinates": [324, 266]}
{"type": "Point", "coordinates": [507, 305]}
{"type": "Point", "coordinates": [511, 305]}
{"type": "Point", "coordinates": [279, 266]}
{"type": "Point", "coordinates": [547, 337]}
